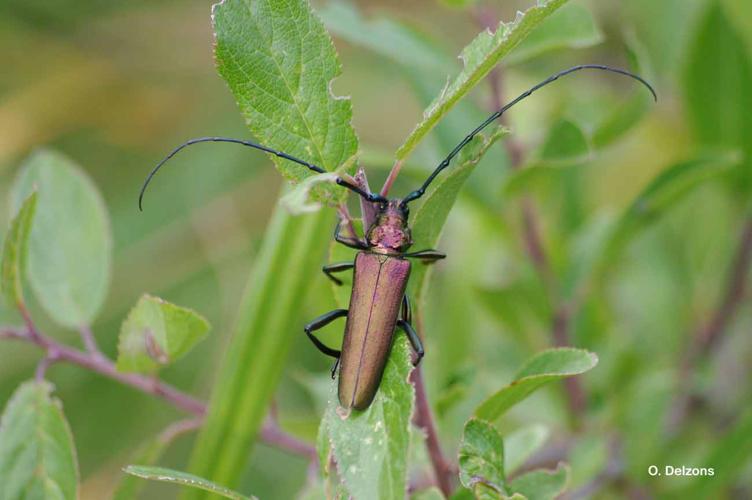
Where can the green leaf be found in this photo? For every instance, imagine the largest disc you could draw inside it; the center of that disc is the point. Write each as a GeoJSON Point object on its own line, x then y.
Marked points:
{"type": "Point", "coordinates": [37, 454]}
{"type": "Point", "coordinates": [479, 58]}
{"type": "Point", "coordinates": [571, 27]}
{"type": "Point", "coordinates": [157, 333]}
{"type": "Point", "coordinates": [565, 144]}
{"type": "Point", "coordinates": [718, 105]}
{"type": "Point", "coordinates": [386, 37]}
{"type": "Point", "coordinates": [182, 478]}
{"type": "Point", "coordinates": [267, 324]}
{"type": "Point", "coordinates": [371, 446]}
{"type": "Point", "coordinates": [431, 215]}
{"type": "Point", "coordinates": [15, 250]}
{"type": "Point", "coordinates": [521, 444]}
{"type": "Point", "coordinates": [130, 487]}
{"type": "Point", "coordinates": [432, 493]}
{"type": "Point", "coordinates": [481, 457]}
{"type": "Point", "coordinates": [70, 243]}
{"type": "Point", "coordinates": [544, 367]}
{"type": "Point", "coordinates": [542, 484]}
{"type": "Point", "coordinates": [279, 63]}
{"type": "Point", "coordinates": [664, 191]}
{"type": "Point", "coordinates": [299, 200]}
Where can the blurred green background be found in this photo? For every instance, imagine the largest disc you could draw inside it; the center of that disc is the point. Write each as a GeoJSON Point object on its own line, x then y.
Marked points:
{"type": "Point", "coordinates": [115, 85]}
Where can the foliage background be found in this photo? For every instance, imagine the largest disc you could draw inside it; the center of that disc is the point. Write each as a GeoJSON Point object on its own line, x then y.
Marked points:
{"type": "Point", "coordinates": [116, 85]}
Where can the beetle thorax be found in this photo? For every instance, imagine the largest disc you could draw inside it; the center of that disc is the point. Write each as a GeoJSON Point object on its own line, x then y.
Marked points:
{"type": "Point", "coordinates": [390, 234]}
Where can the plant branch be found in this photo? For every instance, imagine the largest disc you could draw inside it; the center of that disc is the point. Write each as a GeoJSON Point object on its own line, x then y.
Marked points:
{"type": "Point", "coordinates": [442, 469]}
{"type": "Point", "coordinates": [270, 433]}
{"type": "Point", "coordinates": [393, 173]}
{"type": "Point", "coordinates": [707, 338]}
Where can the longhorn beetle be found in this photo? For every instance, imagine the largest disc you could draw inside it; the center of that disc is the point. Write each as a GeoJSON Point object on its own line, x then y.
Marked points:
{"type": "Point", "coordinates": [378, 303]}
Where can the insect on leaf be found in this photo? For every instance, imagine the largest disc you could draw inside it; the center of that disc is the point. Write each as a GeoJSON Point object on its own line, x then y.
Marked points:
{"type": "Point", "coordinates": [70, 277]}
{"type": "Point", "coordinates": [544, 367]}
{"type": "Point", "coordinates": [157, 333]}
{"type": "Point", "coordinates": [15, 251]}
{"type": "Point", "coordinates": [371, 446]}
{"type": "Point", "coordinates": [279, 63]}
{"type": "Point", "coordinates": [37, 454]}
{"type": "Point", "coordinates": [479, 58]}
{"type": "Point", "coordinates": [183, 478]}
{"type": "Point", "coordinates": [481, 458]}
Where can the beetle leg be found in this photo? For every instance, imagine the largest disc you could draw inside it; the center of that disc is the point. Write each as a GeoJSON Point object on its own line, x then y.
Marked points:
{"type": "Point", "coordinates": [414, 339]}
{"type": "Point", "coordinates": [351, 242]}
{"type": "Point", "coordinates": [426, 256]}
{"type": "Point", "coordinates": [407, 310]}
{"type": "Point", "coordinates": [337, 267]}
{"type": "Point", "coordinates": [334, 368]}
{"type": "Point", "coordinates": [319, 323]}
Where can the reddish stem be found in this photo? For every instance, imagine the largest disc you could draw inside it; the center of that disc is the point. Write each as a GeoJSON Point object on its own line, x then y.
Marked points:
{"type": "Point", "coordinates": [393, 173]}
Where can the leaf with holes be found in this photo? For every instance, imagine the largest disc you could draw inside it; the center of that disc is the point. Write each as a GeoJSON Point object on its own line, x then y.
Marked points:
{"type": "Point", "coordinates": [37, 454]}
{"type": "Point", "coordinates": [15, 250]}
{"type": "Point", "coordinates": [156, 333]}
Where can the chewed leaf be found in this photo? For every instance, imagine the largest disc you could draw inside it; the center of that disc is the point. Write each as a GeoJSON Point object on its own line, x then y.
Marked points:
{"type": "Point", "coordinates": [15, 250]}
{"type": "Point", "coordinates": [279, 63]}
{"type": "Point", "coordinates": [544, 367]}
{"type": "Point", "coordinates": [37, 454]}
{"type": "Point", "coordinates": [371, 446]}
{"type": "Point", "coordinates": [183, 478]}
{"type": "Point", "coordinates": [479, 58]}
{"type": "Point", "coordinates": [157, 333]}
{"type": "Point", "coordinates": [298, 200]}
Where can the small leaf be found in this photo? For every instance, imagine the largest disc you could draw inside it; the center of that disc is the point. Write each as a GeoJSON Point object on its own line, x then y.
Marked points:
{"type": "Point", "coordinates": [371, 447]}
{"type": "Point", "coordinates": [565, 144]}
{"type": "Point", "coordinates": [37, 454]}
{"type": "Point", "coordinates": [182, 478]}
{"type": "Point", "coordinates": [279, 63]}
{"type": "Point", "coordinates": [157, 333]}
{"type": "Point", "coordinates": [479, 58]}
{"type": "Point", "coordinates": [571, 27]}
{"type": "Point", "coordinates": [481, 456]}
{"type": "Point", "coordinates": [519, 445]}
{"type": "Point", "coordinates": [15, 250]}
{"type": "Point", "coordinates": [544, 367]}
{"type": "Point", "coordinates": [431, 215]}
{"type": "Point", "coordinates": [70, 242]}
{"type": "Point", "coordinates": [541, 484]}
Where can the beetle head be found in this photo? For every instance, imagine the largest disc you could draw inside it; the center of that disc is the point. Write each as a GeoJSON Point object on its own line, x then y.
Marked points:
{"type": "Point", "coordinates": [390, 233]}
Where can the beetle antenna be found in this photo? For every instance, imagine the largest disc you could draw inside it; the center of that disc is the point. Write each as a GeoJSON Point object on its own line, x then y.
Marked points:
{"type": "Point", "coordinates": [445, 162]}
{"type": "Point", "coordinates": [372, 197]}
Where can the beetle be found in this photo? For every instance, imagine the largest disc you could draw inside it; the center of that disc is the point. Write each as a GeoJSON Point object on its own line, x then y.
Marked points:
{"type": "Point", "coordinates": [381, 269]}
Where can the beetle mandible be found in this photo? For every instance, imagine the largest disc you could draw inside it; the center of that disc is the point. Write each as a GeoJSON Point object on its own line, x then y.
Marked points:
{"type": "Point", "coordinates": [378, 303]}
